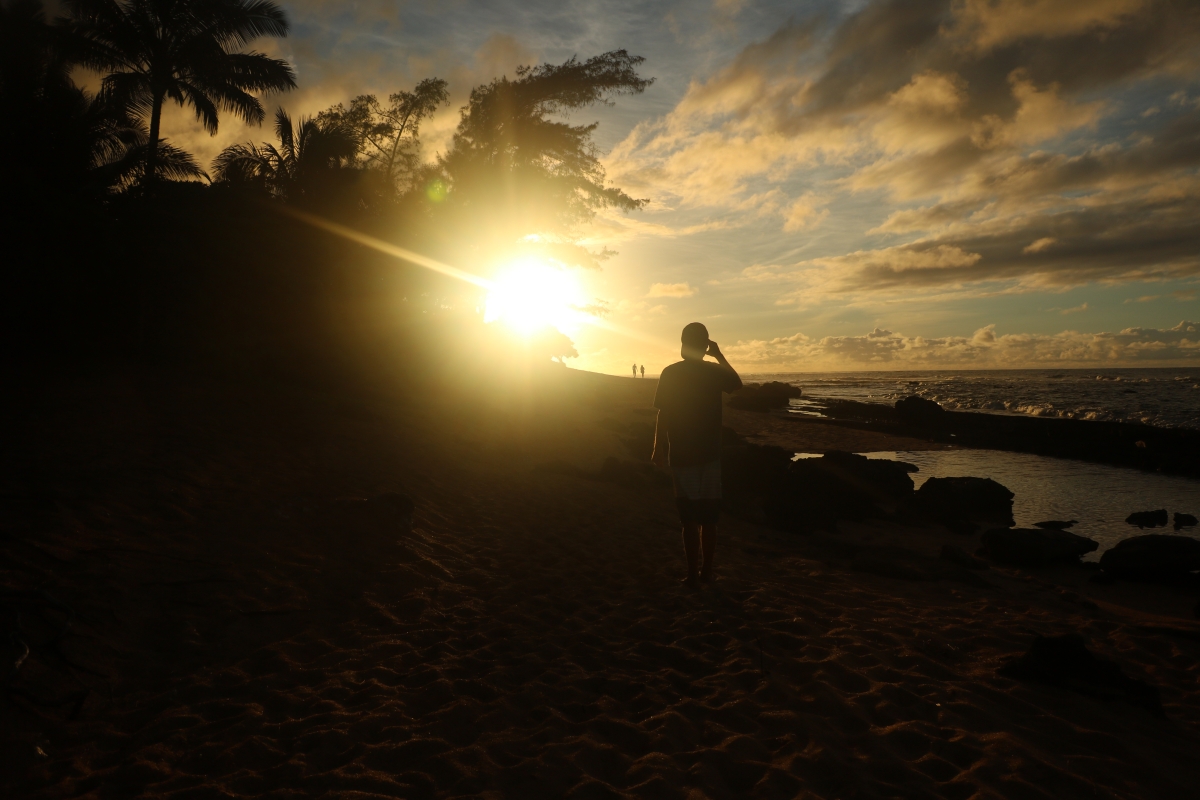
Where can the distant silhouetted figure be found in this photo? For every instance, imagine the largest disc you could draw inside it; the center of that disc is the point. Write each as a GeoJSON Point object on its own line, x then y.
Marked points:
{"type": "Point", "coordinates": [687, 435]}
{"type": "Point", "coordinates": [635, 370]}
{"type": "Point", "coordinates": [643, 370]}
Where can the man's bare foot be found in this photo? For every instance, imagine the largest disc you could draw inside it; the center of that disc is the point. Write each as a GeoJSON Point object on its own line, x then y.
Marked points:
{"type": "Point", "coordinates": [691, 582]}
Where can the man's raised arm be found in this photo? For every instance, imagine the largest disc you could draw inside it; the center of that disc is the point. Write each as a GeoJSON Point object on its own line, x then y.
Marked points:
{"type": "Point", "coordinates": [715, 351]}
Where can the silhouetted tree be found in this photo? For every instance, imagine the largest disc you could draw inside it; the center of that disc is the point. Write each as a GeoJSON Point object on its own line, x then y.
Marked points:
{"type": "Point", "coordinates": [549, 342]}
{"type": "Point", "coordinates": [59, 137]}
{"type": "Point", "coordinates": [388, 137]}
{"type": "Point", "coordinates": [307, 153]}
{"type": "Point", "coordinates": [519, 173]}
{"type": "Point", "coordinates": [181, 50]}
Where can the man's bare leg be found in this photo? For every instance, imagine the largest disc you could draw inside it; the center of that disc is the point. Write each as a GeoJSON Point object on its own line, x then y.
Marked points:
{"type": "Point", "coordinates": [708, 540]}
{"type": "Point", "coordinates": [691, 548]}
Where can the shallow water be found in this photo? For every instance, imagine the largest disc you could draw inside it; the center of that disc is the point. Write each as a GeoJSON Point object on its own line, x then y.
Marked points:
{"type": "Point", "coordinates": [1167, 397]}
{"type": "Point", "coordinates": [1099, 496]}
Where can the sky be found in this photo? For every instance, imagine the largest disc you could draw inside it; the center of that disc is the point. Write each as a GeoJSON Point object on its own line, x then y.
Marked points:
{"type": "Point", "coordinates": [960, 184]}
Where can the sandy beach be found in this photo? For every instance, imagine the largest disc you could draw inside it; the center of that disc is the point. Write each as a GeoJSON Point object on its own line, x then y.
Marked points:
{"type": "Point", "coordinates": [214, 610]}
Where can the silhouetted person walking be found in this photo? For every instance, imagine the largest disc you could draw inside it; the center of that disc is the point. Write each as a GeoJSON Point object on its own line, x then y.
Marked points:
{"type": "Point", "coordinates": [643, 370]}
{"type": "Point", "coordinates": [688, 437]}
{"type": "Point", "coordinates": [635, 370]}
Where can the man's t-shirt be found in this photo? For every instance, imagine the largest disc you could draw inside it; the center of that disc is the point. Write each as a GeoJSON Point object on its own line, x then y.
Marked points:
{"type": "Point", "coordinates": [689, 397]}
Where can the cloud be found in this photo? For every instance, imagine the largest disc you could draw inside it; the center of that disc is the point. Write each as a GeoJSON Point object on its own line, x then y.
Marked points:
{"type": "Point", "coordinates": [996, 135]}
{"type": "Point", "coordinates": [884, 349]}
{"type": "Point", "coordinates": [670, 290]}
{"type": "Point", "coordinates": [1075, 310]}
{"type": "Point", "coordinates": [804, 213]}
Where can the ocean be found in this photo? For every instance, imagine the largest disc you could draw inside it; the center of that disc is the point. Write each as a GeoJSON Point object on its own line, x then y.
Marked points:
{"type": "Point", "coordinates": [1163, 396]}
{"type": "Point", "coordinates": [1097, 495]}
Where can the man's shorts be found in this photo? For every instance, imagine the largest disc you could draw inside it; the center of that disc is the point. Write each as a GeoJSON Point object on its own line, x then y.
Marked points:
{"type": "Point", "coordinates": [698, 492]}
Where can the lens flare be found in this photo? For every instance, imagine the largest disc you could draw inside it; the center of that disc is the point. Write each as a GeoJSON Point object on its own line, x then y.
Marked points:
{"type": "Point", "coordinates": [530, 294]}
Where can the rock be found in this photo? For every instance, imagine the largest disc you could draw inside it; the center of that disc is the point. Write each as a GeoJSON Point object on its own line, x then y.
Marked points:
{"type": "Point", "coordinates": [960, 526]}
{"type": "Point", "coordinates": [956, 555]}
{"type": "Point", "coordinates": [1184, 520]}
{"type": "Point", "coordinates": [1056, 524]}
{"type": "Point", "coordinates": [762, 483]}
{"type": "Point", "coordinates": [1148, 519]}
{"type": "Point", "coordinates": [919, 411]}
{"type": "Point", "coordinates": [765, 396]}
{"type": "Point", "coordinates": [980, 499]}
{"type": "Point", "coordinates": [888, 476]}
{"type": "Point", "coordinates": [1065, 662]}
{"type": "Point", "coordinates": [1031, 547]}
{"type": "Point", "coordinates": [1152, 557]}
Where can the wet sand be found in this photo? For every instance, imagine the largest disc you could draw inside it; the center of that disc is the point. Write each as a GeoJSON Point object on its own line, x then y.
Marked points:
{"type": "Point", "coordinates": [241, 629]}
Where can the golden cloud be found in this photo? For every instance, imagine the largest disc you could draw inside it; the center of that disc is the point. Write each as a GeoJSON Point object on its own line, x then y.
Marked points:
{"type": "Point", "coordinates": [670, 290]}
{"type": "Point", "coordinates": [992, 115]}
{"type": "Point", "coordinates": [1179, 345]}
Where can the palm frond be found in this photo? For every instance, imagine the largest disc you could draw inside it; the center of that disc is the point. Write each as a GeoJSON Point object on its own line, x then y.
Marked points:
{"type": "Point", "coordinates": [241, 163]}
{"type": "Point", "coordinates": [239, 22]}
{"type": "Point", "coordinates": [184, 51]}
{"type": "Point", "coordinates": [283, 129]}
{"type": "Point", "coordinates": [206, 110]}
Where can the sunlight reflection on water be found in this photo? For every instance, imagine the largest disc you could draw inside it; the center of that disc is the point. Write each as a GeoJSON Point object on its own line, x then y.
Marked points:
{"type": "Point", "coordinates": [1097, 495]}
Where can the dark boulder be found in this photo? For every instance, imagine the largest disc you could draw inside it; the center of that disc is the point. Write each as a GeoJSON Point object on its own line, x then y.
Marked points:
{"type": "Point", "coordinates": [765, 396]}
{"type": "Point", "coordinates": [966, 499]}
{"type": "Point", "coordinates": [1031, 547]}
{"type": "Point", "coordinates": [1184, 520]}
{"type": "Point", "coordinates": [764, 484]}
{"type": "Point", "coordinates": [919, 411]}
{"type": "Point", "coordinates": [890, 477]}
{"type": "Point", "coordinates": [1148, 519]}
{"type": "Point", "coordinates": [1151, 557]}
{"type": "Point", "coordinates": [1056, 524]}
{"type": "Point", "coordinates": [956, 555]}
{"type": "Point", "coordinates": [1065, 662]}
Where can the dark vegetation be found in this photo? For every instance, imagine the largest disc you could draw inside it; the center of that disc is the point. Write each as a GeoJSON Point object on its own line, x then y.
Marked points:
{"type": "Point", "coordinates": [120, 247]}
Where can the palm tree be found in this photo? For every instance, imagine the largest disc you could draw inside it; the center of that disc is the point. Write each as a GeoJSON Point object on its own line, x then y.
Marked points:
{"type": "Point", "coordinates": [68, 140]}
{"type": "Point", "coordinates": [182, 50]}
{"type": "Point", "coordinates": [307, 155]}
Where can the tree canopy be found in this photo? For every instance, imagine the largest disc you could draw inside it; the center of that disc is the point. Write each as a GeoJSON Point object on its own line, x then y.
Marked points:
{"type": "Point", "coordinates": [389, 136]}
{"type": "Point", "coordinates": [186, 51]}
{"type": "Point", "coordinates": [520, 172]}
{"type": "Point", "coordinates": [304, 163]}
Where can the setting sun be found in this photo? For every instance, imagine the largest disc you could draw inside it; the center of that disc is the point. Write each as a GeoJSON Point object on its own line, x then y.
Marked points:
{"type": "Point", "coordinates": [530, 295]}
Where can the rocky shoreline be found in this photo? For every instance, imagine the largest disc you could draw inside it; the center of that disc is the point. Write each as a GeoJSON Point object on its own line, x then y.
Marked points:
{"type": "Point", "coordinates": [1171, 450]}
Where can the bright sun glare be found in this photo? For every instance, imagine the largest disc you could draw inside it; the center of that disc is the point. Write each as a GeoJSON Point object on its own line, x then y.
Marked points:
{"type": "Point", "coordinates": [529, 295]}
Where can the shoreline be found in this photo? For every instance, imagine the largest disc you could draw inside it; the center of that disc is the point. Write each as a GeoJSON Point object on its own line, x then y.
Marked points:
{"type": "Point", "coordinates": [1146, 447]}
